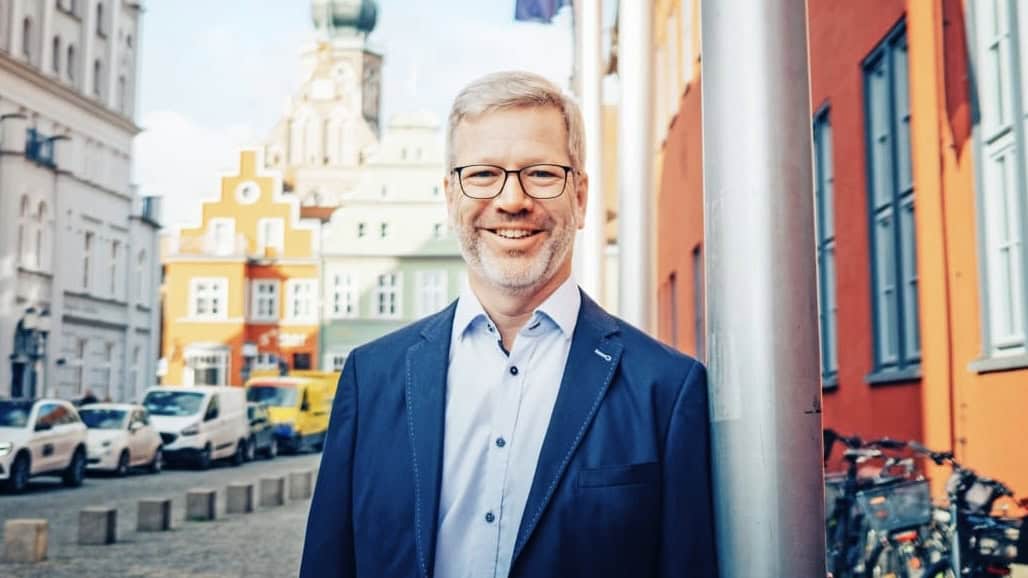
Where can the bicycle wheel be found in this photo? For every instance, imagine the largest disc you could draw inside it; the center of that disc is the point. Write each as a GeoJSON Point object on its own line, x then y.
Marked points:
{"type": "Point", "coordinates": [939, 569]}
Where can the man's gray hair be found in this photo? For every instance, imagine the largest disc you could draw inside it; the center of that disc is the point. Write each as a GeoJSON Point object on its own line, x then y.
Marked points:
{"type": "Point", "coordinates": [515, 89]}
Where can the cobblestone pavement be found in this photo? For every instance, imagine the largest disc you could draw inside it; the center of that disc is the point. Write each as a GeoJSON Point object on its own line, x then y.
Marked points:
{"type": "Point", "coordinates": [264, 543]}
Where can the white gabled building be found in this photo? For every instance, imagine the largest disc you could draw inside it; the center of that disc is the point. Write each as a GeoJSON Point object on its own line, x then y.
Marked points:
{"type": "Point", "coordinates": [79, 259]}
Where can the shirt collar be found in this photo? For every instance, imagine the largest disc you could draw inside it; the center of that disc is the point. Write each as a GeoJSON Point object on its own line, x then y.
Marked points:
{"type": "Point", "coordinates": [561, 307]}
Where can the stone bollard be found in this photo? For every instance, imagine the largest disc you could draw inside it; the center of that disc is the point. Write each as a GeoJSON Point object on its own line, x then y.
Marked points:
{"type": "Point", "coordinates": [239, 499]}
{"type": "Point", "coordinates": [25, 540]}
{"type": "Point", "coordinates": [154, 515]}
{"type": "Point", "coordinates": [98, 525]}
{"type": "Point", "coordinates": [300, 485]}
{"type": "Point", "coordinates": [201, 504]}
{"type": "Point", "coordinates": [273, 491]}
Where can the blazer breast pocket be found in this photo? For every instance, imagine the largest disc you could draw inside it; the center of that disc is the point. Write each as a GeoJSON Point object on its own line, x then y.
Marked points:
{"type": "Point", "coordinates": [621, 475]}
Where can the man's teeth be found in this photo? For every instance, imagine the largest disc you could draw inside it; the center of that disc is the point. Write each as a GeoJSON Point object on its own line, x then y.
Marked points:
{"type": "Point", "coordinates": [513, 233]}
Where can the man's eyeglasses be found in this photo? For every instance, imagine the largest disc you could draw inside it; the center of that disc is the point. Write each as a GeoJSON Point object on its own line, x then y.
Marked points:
{"type": "Point", "coordinates": [544, 181]}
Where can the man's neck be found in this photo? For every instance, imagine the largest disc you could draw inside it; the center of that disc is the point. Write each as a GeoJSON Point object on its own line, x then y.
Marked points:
{"type": "Point", "coordinates": [509, 311]}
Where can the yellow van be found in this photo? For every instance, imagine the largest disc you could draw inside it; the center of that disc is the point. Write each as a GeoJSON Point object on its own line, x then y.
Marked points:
{"type": "Point", "coordinates": [299, 405]}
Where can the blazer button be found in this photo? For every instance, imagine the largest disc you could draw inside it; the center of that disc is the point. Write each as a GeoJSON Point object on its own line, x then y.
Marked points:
{"type": "Point", "coordinates": [490, 518]}
{"type": "Point", "coordinates": [500, 442]}
{"type": "Point", "coordinates": [513, 370]}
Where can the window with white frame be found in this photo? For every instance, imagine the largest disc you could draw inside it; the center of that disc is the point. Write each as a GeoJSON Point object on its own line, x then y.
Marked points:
{"type": "Point", "coordinates": [344, 295]}
{"type": "Point", "coordinates": [336, 360]}
{"type": "Point", "coordinates": [105, 370]}
{"type": "Point", "coordinates": [431, 295]}
{"type": "Point", "coordinates": [141, 284]}
{"type": "Point", "coordinates": [438, 230]}
{"type": "Point", "coordinates": [897, 343]}
{"type": "Point", "coordinates": [87, 260]}
{"type": "Point", "coordinates": [383, 230]}
{"type": "Point", "coordinates": [222, 236]}
{"type": "Point", "coordinates": [265, 361]}
{"type": "Point", "coordinates": [264, 300]}
{"type": "Point", "coordinates": [205, 367]}
{"type": "Point", "coordinates": [208, 298]}
{"type": "Point", "coordinates": [113, 267]}
{"type": "Point", "coordinates": [134, 375]}
{"type": "Point", "coordinates": [362, 230]}
{"type": "Point", "coordinates": [270, 235]}
{"type": "Point", "coordinates": [823, 195]}
{"type": "Point", "coordinates": [41, 238]}
{"type": "Point", "coordinates": [999, 50]}
{"type": "Point", "coordinates": [77, 363]}
{"type": "Point", "coordinates": [24, 232]}
{"type": "Point", "coordinates": [387, 296]}
{"type": "Point", "coordinates": [301, 299]}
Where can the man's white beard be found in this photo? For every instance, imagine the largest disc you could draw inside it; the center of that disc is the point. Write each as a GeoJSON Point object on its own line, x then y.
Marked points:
{"type": "Point", "coordinates": [515, 272]}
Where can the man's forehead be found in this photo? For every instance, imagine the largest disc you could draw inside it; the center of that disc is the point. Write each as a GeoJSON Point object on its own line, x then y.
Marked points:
{"type": "Point", "coordinates": [528, 126]}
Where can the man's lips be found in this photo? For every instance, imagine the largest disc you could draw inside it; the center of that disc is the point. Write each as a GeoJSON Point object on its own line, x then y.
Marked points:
{"type": "Point", "coordinates": [513, 233]}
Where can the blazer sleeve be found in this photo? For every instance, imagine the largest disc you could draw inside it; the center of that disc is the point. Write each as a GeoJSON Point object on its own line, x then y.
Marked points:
{"type": "Point", "coordinates": [687, 529]}
{"type": "Point", "coordinates": [328, 549]}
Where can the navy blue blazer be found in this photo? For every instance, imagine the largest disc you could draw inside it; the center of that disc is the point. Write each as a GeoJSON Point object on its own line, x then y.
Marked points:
{"type": "Point", "coordinates": [622, 488]}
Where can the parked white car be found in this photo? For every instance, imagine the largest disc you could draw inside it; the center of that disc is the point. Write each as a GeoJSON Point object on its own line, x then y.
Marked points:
{"type": "Point", "coordinates": [41, 437]}
{"type": "Point", "coordinates": [200, 424]}
{"type": "Point", "coordinates": [120, 437]}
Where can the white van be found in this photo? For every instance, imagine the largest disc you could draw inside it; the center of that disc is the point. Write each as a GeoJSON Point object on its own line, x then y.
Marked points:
{"type": "Point", "coordinates": [200, 424]}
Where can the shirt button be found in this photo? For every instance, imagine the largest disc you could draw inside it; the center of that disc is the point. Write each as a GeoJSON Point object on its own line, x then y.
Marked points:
{"type": "Point", "coordinates": [513, 370]}
{"type": "Point", "coordinates": [490, 518]}
{"type": "Point", "coordinates": [500, 442]}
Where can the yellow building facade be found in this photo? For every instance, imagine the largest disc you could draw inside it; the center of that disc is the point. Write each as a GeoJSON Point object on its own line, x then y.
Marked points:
{"type": "Point", "coordinates": [241, 289]}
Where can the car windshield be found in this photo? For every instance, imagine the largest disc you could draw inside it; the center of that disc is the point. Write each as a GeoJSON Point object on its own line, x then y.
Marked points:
{"type": "Point", "coordinates": [103, 418]}
{"type": "Point", "coordinates": [276, 395]}
{"type": "Point", "coordinates": [177, 403]}
{"type": "Point", "coordinates": [15, 413]}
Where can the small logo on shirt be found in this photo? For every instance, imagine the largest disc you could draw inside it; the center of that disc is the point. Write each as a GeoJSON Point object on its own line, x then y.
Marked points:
{"type": "Point", "coordinates": [605, 356]}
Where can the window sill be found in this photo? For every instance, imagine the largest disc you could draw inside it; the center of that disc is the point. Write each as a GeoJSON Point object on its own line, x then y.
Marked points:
{"type": "Point", "coordinates": [888, 376]}
{"type": "Point", "coordinates": [995, 364]}
{"type": "Point", "coordinates": [830, 383]}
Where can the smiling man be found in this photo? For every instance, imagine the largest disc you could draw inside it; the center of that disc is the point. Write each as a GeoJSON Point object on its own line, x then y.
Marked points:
{"type": "Point", "coordinates": [522, 431]}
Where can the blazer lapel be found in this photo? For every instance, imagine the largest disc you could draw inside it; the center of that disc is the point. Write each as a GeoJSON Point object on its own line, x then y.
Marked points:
{"type": "Point", "coordinates": [595, 352]}
{"type": "Point", "coordinates": [427, 362]}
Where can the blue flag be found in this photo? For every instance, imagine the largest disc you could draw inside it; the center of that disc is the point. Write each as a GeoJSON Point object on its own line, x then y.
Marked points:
{"type": "Point", "coordinates": [538, 10]}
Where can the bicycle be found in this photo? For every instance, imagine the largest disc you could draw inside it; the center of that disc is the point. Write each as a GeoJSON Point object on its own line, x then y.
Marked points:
{"type": "Point", "coordinates": [867, 514]}
{"type": "Point", "coordinates": [965, 540]}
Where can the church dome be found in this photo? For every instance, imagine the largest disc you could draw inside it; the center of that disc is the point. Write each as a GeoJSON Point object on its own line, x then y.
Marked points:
{"type": "Point", "coordinates": [335, 16]}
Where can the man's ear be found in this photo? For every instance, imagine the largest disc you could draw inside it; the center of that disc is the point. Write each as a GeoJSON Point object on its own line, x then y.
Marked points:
{"type": "Point", "coordinates": [581, 198]}
{"type": "Point", "coordinates": [451, 199]}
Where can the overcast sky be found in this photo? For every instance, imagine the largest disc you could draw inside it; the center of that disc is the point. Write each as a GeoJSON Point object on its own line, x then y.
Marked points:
{"type": "Point", "coordinates": [215, 75]}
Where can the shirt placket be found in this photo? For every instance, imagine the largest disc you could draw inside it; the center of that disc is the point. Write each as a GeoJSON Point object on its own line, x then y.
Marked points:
{"type": "Point", "coordinates": [503, 436]}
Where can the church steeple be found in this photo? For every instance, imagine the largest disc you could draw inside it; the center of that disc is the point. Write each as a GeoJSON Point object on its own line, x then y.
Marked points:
{"type": "Point", "coordinates": [344, 18]}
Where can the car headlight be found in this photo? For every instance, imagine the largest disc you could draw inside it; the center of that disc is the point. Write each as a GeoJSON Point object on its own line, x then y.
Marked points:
{"type": "Point", "coordinates": [106, 444]}
{"type": "Point", "coordinates": [191, 430]}
{"type": "Point", "coordinates": [5, 448]}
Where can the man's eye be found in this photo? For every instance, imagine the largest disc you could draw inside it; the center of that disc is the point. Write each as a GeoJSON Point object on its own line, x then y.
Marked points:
{"type": "Point", "coordinates": [543, 174]}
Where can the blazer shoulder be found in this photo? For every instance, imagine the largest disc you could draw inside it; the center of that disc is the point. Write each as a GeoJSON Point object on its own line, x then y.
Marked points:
{"type": "Point", "coordinates": [397, 342]}
{"type": "Point", "coordinates": [643, 350]}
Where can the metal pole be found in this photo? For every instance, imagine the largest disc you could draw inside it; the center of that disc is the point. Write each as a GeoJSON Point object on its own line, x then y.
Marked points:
{"type": "Point", "coordinates": [635, 135]}
{"type": "Point", "coordinates": [765, 390]}
{"type": "Point", "coordinates": [593, 238]}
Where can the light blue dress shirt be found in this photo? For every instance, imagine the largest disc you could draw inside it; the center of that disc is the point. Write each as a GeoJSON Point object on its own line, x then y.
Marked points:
{"type": "Point", "coordinates": [498, 409]}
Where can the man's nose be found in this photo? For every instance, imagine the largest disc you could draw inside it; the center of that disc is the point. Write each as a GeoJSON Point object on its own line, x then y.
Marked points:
{"type": "Point", "coordinates": [512, 198]}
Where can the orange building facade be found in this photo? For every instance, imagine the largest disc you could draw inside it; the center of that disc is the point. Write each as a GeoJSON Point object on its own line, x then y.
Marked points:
{"type": "Point", "coordinates": [241, 289]}
{"type": "Point", "coordinates": [918, 117]}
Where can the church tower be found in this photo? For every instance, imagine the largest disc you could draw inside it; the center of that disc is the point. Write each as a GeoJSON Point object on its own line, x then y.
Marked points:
{"type": "Point", "coordinates": [332, 123]}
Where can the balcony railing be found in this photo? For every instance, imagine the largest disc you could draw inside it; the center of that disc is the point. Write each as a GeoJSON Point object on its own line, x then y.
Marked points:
{"type": "Point", "coordinates": [39, 148]}
{"type": "Point", "coordinates": [208, 245]}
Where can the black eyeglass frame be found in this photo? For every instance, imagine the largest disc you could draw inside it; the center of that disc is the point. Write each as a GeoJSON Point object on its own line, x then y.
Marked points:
{"type": "Point", "coordinates": [568, 170]}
